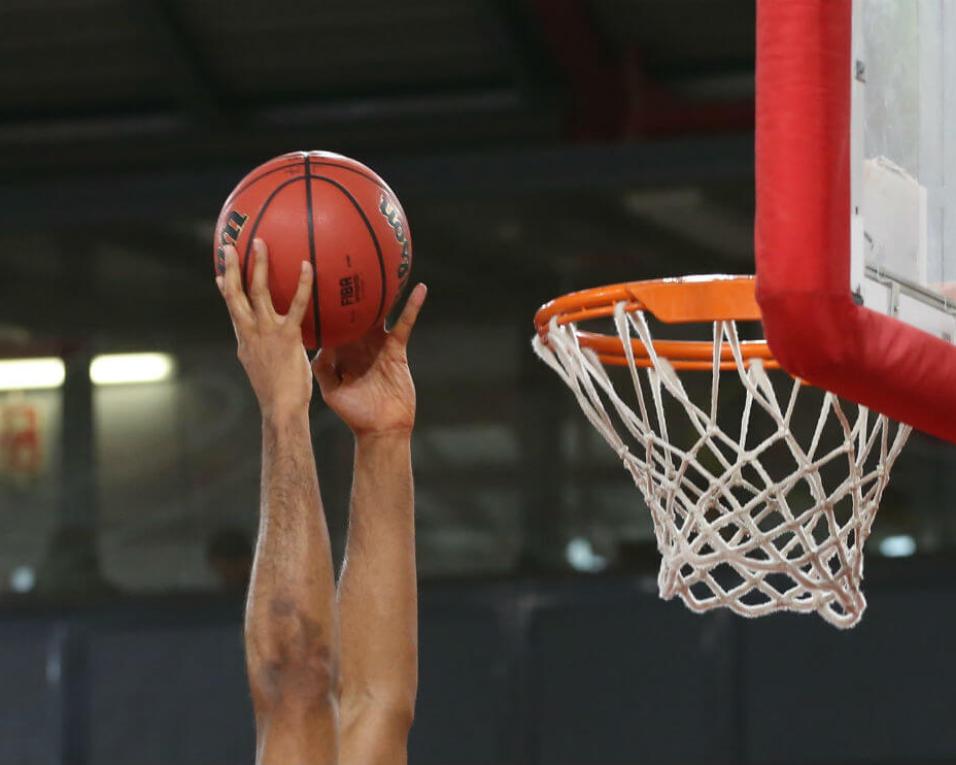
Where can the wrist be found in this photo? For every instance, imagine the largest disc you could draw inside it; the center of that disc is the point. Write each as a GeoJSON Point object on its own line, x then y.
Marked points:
{"type": "Point", "coordinates": [280, 415]}
{"type": "Point", "coordinates": [392, 436]}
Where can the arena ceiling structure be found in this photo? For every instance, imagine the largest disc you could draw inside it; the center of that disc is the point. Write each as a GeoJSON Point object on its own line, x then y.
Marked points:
{"type": "Point", "coordinates": [631, 122]}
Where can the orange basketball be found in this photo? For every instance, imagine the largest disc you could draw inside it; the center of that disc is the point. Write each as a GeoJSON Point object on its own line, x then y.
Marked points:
{"type": "Point", "coordinates": [337, 214]}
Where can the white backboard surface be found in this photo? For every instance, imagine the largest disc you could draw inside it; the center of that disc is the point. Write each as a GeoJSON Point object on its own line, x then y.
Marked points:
{"type": "Point", "coordinates": [904, 213]}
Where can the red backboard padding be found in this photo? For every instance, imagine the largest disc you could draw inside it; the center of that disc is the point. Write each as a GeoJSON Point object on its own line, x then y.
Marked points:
{"type": "Point", "coordinates": [802, 231]}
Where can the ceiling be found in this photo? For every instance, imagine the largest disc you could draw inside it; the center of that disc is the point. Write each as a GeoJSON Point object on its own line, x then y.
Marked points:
{"type": "Point", "coordinates": [536, 144]}
{"type": "Point", "coordinates": [94, 85]}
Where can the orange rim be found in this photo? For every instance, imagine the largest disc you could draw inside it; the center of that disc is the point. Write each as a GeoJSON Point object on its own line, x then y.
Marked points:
{"type": "Point", "coordinates": [673, 301]}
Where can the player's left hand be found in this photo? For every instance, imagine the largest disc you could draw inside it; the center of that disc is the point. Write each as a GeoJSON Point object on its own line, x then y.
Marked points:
{"type": "Point", "coordinates": [269, 345]}
{"type": "Point", "coordinates": [368, 383]}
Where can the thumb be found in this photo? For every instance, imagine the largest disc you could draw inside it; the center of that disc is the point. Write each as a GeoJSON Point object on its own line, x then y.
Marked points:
{"type": "Point", "coordinates": [323, 367]}
{"type": "Point", "coordinates": [406, 321]}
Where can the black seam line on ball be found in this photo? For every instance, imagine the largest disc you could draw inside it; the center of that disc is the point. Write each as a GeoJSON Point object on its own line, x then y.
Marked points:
{"type": "Point", "coordinates": [266, 174]}
{"type": "Point", "coordinates": [315, 273]}
{"type": "Point", "coordinates": [371, 232]}
{"type": "Point", "coordinates": [369, 176]}
{"type": "Point", "coordinates": [255, 227]}
{"type": "Point", "coordinates": [331, 163]}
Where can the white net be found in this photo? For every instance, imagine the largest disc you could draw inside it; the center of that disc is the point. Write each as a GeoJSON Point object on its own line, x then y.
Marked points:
{"type": "Point", "coordinates": [761, 504]}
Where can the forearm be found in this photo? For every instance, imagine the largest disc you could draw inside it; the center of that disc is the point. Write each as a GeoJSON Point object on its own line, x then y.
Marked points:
{"type": "Point", "coordinates": [378, 602]}
{"type": "Point", "coordinates": [291, 629]}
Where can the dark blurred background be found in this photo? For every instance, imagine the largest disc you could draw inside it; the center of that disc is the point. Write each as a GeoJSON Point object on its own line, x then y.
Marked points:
{"type": "Point", "coordinates": [538, 146]}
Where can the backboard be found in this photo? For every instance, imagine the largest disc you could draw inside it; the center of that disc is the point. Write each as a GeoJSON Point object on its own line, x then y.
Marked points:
{"type": "Point", "coordinates": [856, 226]}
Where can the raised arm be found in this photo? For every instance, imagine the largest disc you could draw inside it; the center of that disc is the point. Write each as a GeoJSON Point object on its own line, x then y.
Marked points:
{"type": "Point", "coordinates": [291, 628]}
{"type": "Point", "coordinates": [369, 385]}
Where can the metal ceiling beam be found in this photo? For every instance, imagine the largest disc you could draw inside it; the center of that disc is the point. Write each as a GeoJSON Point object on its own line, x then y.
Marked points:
{"type": "Point", "coordinates": [190, 77]}
{"type": "Point", "coordinates": [159, 195]}
{"type": "Point", "coordinates": [536, 72]}
{"type": "Point", "coordinates": [437, 121]}
{"type": "Point", "coordinates": [596, 80]}
{"type": "Point", "coordinates": [108, 129]}
{"type": "Point", "coordinates": [612, 95]}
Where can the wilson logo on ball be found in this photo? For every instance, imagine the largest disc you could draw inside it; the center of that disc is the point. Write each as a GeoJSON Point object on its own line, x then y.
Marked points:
{"type": "Point", "coordinates": [231, 230]}
{"type": "Point", "coordinates": [391, 214]}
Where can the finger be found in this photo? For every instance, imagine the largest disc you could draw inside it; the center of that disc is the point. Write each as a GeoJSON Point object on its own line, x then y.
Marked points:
{"type": "Point", "coordinates": [231, 288]}
{"type": "Point", "coordinates": [406, 322]}
{"type": "Point", "coordinates": [300, 301]}
{"type": "Point", "coordinates": [259, 291]}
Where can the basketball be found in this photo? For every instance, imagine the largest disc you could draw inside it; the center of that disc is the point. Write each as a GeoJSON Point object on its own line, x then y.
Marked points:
{"type": "Point", "coordinates": [339, 215]}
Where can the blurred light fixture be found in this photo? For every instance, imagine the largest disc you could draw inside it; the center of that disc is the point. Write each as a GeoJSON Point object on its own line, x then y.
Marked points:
{"type": "Point", "coordinates": [898, 546]}
{"type": "Point", "coordinates": [31, 374]}
{"type": "Point", "coordinates": [22, 579]}
{"type": "Point", "coordinates": [130, 368]}
{"type": "Point", "coordinates": [582, 557]}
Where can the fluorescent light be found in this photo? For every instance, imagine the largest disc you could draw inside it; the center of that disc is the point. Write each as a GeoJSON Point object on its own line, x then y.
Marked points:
{"type": "Point", "coordinates": [31, 374]}
{"type": "Point", "coordinates": [22, 579]}
{"type": "Point", "coordinates": [898, 546]}
{"type": "Point", "coordinates": [582, 557]}
{"type": "Point", "coordinates": [128, 368]}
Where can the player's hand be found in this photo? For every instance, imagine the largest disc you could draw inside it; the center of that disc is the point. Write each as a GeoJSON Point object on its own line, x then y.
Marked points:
{"type": "Point", "coordinates": [270, 345]}
{"type": "Point", "coordinates": [368, 383]}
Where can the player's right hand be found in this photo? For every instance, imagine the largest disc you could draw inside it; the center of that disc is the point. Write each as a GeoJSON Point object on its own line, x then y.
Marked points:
{"type": "Point", "coordinates": [368, 382]}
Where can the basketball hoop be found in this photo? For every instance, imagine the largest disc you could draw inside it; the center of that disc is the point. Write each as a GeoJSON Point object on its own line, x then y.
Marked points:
{"type": "Point", "coordinates": [755, 508]}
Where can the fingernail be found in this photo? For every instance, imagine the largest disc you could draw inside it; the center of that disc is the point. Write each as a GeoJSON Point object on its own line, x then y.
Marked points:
{"type": "Point", "coordinates": [219, 283]}
{"type": "Point", "coordinates": [305, 268]}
